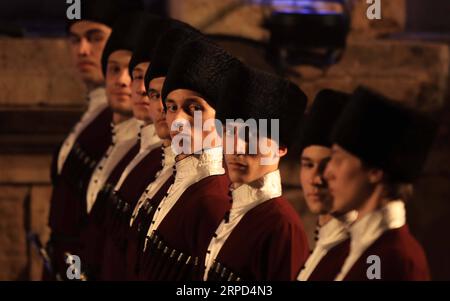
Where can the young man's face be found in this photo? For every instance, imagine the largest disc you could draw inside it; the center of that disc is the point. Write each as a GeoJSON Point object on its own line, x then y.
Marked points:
{"type": "Point", "coordinates": [349, 183]}
{"type": "Point", "coordinates": [244, 167]}
{"type": "Point", "coordinates": [181, 105]}
{"type": "Point", "coordinates": [314, 159]}
{"type": "Point", "coordinates": [118, 83]}
{"type": "Point", "coordinates": [151, 106]}
{"type": "Point", "coordinates": [141, 103]}
{"type": "Point", "coordinates": [87, 41]}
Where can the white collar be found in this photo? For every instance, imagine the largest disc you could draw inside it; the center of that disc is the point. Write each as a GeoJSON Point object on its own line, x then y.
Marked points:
{"type": "Point", "coordinates": [369, 228]}
{"type": "Point", "coordinates": [186, 167]}
{"type": "Point", "coordinates": [148, 137]}
{"type": "Point", "coordinates": [210, 162]}
{"type": "Point", "coordinates": [246, 197]}
{"type": "Point", "coordinates": [125, 130]}
{"type": "Point", "coordinates": [330, 235]}
{"type": "Point", "coordinates": [97, 98]}
{"type": "Point", "coordinates": [335, 230]}
{"type": "Point", "coordinates": [189, 171]}
{"type": "Point", "coordinates": [169, 157]}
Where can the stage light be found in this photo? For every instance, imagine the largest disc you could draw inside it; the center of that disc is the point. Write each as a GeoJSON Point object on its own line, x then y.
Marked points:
{"type": "Point", "coordinates": [308, 32]}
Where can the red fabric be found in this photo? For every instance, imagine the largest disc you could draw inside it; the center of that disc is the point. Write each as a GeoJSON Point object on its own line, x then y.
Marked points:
{"type": "Point", "coordinates": [402, 258]}
{"type": "Point", "coordinates": [269, 243]}
{"type": "Point", "coordinates": [68, 203]}
{"type": "Point", "coordinates": [93, 234]}
{"type": "Point", "coordinates": [330, 265]}
{"type": "Point", "coordinates": [188, 228]}
{"type": "Point", "coordinates": [118, 221]}
{"type": "Point", "coordinates": [138, 232]}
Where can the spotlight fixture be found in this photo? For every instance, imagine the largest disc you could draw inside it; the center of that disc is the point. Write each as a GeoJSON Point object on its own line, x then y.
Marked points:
{"type": "Point", "coordinates": [308, 32]}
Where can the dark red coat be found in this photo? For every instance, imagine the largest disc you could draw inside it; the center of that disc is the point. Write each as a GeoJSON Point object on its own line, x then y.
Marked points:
{"type": "Point", "coordinates": [68, 200]}
{"type": "Point", "coordinates": [402, 258]}
{"type": "Point", "coordinates": [139, 229]}
{"type": "Point", "coordinates": [268, 243]}
{"type": "Point", "coordinates": [118, 216]}
{"type": "Point", "coordinates": [93, 234]}
{"type": "Point", "coordinates": [330, 265]}
{"type": "Point", "coordinates": [178, 250]}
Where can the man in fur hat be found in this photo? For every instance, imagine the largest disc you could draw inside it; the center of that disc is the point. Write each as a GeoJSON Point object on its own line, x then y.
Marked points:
{"type": "Point", "coordinates": [127, 36]}
{"type": "Point", "coordinates": [149, 80]}
{"type": "Point", "coordinates": [194, 205]}
{"type": "Point", "coordinates": [82, 149]}
{"type": "Point", "coordinates": [332, 239]}
{"type": "Point", "coordinates": [262, 236]}
{"type": "Point", "coordinates": [379, 149]}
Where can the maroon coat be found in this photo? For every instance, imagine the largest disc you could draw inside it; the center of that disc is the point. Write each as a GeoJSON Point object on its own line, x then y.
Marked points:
{"type": "Point", "coordinates": [93, 234]}
{"type": "Point", "coordinates": [68, 200]}
{"type": "Point", "coordinates": [121, 207]}
{"type": "Point", "coordinates": [269, 243]}
{"type": "Point", "coordinates": [177, 251]}
{"type": "Point", "coordinates": [401, 256]}
{"type": "Point", "coordinates": [139, 229]}
{"type": "Point", "coordinates": [330, 265]}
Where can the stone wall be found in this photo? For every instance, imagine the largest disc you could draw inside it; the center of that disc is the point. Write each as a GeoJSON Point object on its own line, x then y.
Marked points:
{"type": "Point", "coordinates": [24, 205]}
{"type": "Point", "coordinates": [37, 73]}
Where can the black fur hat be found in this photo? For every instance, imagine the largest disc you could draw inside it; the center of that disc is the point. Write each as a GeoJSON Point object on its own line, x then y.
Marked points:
{"type": "Point", "coordinates": [385, 134]}
{"type": "Point", "coordinates": [147, 40]}
{"type": "Point", "coordinates": [200, 66]}
{"type": "Point", "coordinates": [125, 34]}
{"type": "Point", "coordinates": [322, 117]}
{"type": "Point", "coordinates": [170, 41]}
{"type": "Point", "coordinates": [250, 93]}
{"type": "Point", "coordinates": [106, 11]}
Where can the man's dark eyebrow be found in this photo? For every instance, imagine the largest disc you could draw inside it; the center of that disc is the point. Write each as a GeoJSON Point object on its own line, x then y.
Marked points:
{"type": "Point", "coordinates": [87, 33]}
{"type": "Point", "coordinates": [138, 69]}
{"type": "Point", "coordinates": [93, 31]}
{"type": "Point", "coordinates": [151, 90]}
{"type": "Point", "coordinates": [305, 158]}
{"type": "Point", "coordinates": [195, 99]}
{"type": "Point", "coordinates": [113, 61]}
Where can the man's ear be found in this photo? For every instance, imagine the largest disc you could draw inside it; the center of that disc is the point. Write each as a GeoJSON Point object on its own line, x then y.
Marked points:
{"type": "Point", "coordinates": [375, 175]}
{"type": "Point", "coordinates": [282, 151]}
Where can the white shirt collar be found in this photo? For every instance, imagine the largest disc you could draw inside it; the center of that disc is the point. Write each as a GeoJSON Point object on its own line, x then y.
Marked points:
{"type": "Point", "coordinates": [189, 171]}
{"type": "Point", "coordinates": [97, 98]}
{"type": "Point", "coordinates": [210, 162]}
{"type": "Point", "coordinates": [365, 231]}
{"type": "Point", "coordinates": [246, 197]}
{"type": "Point", "coordinates": [125, 130]}
{"type": "Point", "coordinates": [169, 157]}
{"type": "Point", "coordinates": [335, 230]}
{"type": "Point", "coordinates": [148, 137]}
{"type": "Point", "coordinates": [331, 234]}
